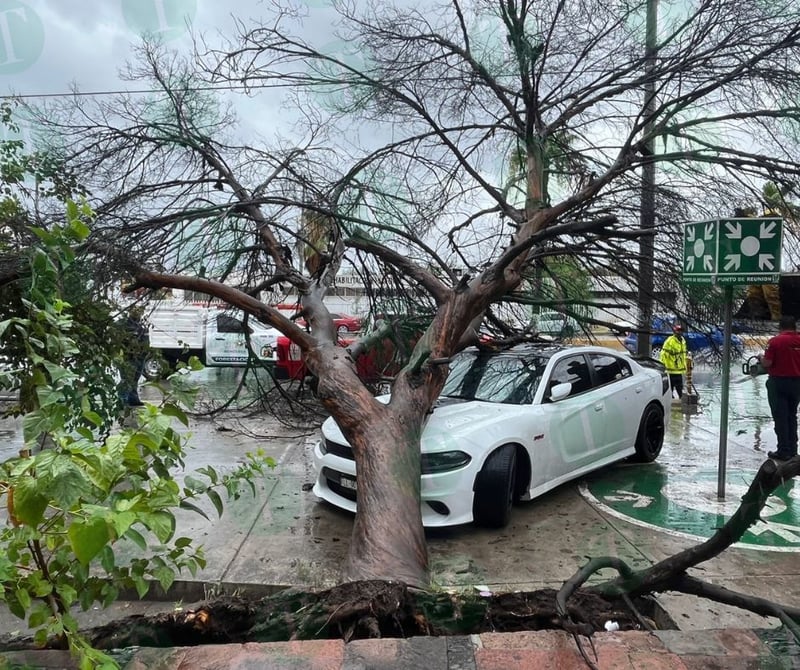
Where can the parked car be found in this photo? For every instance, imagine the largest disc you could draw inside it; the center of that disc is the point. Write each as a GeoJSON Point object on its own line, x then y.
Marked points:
{"type": "Point", "coordinates": [344, 323]}
{"type": "Point", "coordinates": [622, 327]}
{"type": "Point", "coordinates": [513, 424]}
{"type": "Point", "coordinates": [695, 341]}
{"type": "Point", "coordinates": [555, 324]}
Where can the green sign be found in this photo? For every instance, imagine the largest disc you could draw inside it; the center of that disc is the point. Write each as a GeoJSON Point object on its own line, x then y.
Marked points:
{"type": "Point", "coordinates": [685, 504]}
{"type": "Point", "coordinates": [733, 251]}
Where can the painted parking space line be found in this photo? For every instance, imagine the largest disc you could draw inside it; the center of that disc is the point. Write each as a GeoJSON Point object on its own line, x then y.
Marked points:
{"type": "Point", "coordinates": [685, 504]}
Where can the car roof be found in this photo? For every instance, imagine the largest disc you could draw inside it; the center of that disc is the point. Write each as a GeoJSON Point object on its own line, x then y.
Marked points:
{"type": "Point", "coordinates": [544, 350]}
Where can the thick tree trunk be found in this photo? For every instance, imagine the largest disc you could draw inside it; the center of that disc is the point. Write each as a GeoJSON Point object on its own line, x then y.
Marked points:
{"type": "Point", "coordinates": [388, 539]}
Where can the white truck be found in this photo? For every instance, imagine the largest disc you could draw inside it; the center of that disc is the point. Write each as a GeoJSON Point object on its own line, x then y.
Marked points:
{"type": "Point", "coordinates": [213, 334]}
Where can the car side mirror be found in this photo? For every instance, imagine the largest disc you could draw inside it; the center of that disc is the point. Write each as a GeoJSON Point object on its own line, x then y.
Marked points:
{"type": "Point", "coordinates": [560, 391]}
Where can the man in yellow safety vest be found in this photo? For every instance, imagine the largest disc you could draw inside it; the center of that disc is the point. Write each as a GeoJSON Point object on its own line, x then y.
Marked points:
{"type": "Point", "coordinates": [673, 356]}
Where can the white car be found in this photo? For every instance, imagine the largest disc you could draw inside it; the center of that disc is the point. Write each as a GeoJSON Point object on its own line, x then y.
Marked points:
{"type": "Point", "coordinates": [511, 425]}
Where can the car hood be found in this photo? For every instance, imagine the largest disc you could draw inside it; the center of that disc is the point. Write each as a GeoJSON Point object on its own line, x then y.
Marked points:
{"type": "Point", "coordinates": [450, 420]}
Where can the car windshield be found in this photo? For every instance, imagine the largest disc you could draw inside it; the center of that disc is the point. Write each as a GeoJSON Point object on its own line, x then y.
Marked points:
{"type": "Point", "coordinates": [501, 378]}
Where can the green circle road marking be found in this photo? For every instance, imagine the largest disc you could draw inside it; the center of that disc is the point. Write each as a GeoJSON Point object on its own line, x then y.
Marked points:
{"type": "Point", "coordinates": [686, 505]}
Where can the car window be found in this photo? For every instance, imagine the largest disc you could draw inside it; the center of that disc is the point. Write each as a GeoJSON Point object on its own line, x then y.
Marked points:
{"type": "Point", "coordinates": [573, 370]}
{"type": "Point", "coordinates": [229, 324]}
{"type": "Point", "coordinates": [608, 368]}
{"type": "Point", "coordinates": [503, 378]}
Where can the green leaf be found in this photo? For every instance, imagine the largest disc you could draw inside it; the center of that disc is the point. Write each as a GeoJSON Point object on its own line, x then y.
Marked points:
{"type": "Point", "coordinates": [69, 482]}
{"type": "Point", "coordinates": [136, 537]}
{"type": "Point", "coordinates": [122, 522]}
{"type": "Point", "coordinates": [39, 617]}
{"type": "Point", "coordinates": [79, 229]}
{"type": "Point", "coordinates": [87, 538]}
{"type": "Point", "coordinates": [29, 503]}
{"type": "Point", "coordinates": [34, 424]}
{"type": "Point", "coordinates": [142, 587]}
{"type": "Point", "coordinates": [170, 409]}
{"type": "Point", "coordinates": [23, 597]}
{"type": "Point", "coordinates": [193, 484]}
{"type": "Point", "coordinates": [214, 497]}
{"type": "Point", "coordinates": [107, 559]}
{"type": "Point", "coordinates": [72, 211]}
{"type": "Point", "coordinates": [68, 594]}
{"type": "Point", "coordinates": [161, 523]}
{"type": "Point", "coordinates": [165, 577]}
{"type": "Point", "coordinates": [185, 504]}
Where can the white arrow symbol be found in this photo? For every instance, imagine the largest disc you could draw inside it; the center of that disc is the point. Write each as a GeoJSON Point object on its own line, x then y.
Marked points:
{"type": "Point", "coordinates": [733, 261]}
{"type": "Point", "coordinates": [708, 263]}
{"type": "Point", "coordinates": [734, 231]}
{"type": "Point", "coordinates": [782, 530]}
{"type": "Point", "coordinates": [767, 230]}
{"type": "Point", "coordinates": [709, 231]}
{"type": "Point", "coordinates": [765, 261]}
{"type": "Point", "coordinates": [637, 499]}
{"type": "Point", "coordinates": [690, 233]}
{"type": "Point", "coordinates": [690, 263]}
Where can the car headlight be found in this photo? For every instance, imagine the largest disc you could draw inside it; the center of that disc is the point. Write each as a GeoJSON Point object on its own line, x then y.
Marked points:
{"type": "Point", "coordinates": [443, 461]}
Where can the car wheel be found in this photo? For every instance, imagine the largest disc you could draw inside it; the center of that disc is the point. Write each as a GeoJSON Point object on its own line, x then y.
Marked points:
{"type": "Point", "coordinates": [343, 329]}
{"type": "Point", "coordinates": [495, 488]}
{"type": "Point", "coordinates": [650, 437]}
{"type": "Point", "coordinates": [155, 368]}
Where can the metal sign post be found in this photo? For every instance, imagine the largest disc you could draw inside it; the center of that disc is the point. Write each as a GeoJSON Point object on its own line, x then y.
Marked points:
{"type": "Point", "coordinates": [729, 252]}
{"type": "Point", "coordinates": [724, 400]}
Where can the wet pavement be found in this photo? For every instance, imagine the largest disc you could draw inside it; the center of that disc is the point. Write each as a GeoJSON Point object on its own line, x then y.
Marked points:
{"type": "Point", "coordinates": [283, 536]}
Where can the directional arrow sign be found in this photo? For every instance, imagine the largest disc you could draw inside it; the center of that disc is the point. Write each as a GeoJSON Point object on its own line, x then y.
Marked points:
{"type": "Point", "coordinates": [751, 249]}
{"type": "Point", "coordinates": [639, 500]}
{"type": "Point", "coordinates": [700, 251]}
{"type": "Point", "coordinates": [733, 251]}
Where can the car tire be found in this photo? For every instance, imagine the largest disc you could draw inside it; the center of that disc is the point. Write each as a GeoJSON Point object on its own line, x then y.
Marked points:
{"type": "Point", "coordinates": [495, 488]}
{"type": "Point", "coordinates": [343, 329]}
{"type": "Point", "coordinates": [155, 368]}
{"type": "Point", "coordinates": [650, 437]}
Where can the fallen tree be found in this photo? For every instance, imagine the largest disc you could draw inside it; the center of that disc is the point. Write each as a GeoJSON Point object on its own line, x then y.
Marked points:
{"type": "Point", "coordinates": [375, 609]}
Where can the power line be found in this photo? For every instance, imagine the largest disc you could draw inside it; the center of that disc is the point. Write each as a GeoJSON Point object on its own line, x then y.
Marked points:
{"type": "Point", "coordinates": [136, 91]}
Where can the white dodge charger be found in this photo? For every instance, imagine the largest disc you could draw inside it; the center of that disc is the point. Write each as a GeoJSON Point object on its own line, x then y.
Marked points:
{"type": "Point", "coordinates": [512, 424]}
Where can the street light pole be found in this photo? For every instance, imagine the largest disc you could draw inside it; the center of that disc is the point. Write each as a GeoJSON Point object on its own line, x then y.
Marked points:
{"type": "Point", "coordinates": [647, 210]}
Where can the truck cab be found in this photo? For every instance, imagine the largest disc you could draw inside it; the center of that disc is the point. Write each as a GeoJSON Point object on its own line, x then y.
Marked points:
{"type": "Point", "coordinates": [216, 336]}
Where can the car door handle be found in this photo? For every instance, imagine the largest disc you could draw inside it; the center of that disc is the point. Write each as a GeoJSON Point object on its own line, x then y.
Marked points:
{"type": "Point", "coordinates": [220, 339]}
{"type": "Point", "coordinates": [598, 407]}
{"type": "Point", "coordinates": [638, 389]}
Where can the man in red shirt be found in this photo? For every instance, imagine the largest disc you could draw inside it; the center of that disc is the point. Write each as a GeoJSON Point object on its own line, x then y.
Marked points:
{"type": "Point", "coordinates": [782, 362]}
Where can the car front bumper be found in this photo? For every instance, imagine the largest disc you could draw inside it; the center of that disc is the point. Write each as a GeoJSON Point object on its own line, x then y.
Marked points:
{"type": "Point", "coordinates": [446, 496]}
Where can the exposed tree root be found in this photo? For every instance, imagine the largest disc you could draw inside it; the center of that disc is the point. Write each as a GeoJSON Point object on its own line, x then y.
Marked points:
{"type": "Point", "coordinates": [670, 574]}
{"type": "Point", "coordinates": [358, 610]}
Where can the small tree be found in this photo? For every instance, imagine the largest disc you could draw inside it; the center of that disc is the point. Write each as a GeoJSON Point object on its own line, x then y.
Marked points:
{"type": "Point", "coordinates": [71, 503]}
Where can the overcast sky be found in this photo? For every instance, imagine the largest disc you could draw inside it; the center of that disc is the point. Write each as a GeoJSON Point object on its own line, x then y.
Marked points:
{"type": "Point", "coordinates": [49, 46]}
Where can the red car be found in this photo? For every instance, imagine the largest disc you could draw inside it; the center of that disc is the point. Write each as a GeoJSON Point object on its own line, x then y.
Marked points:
{"type": "Point", "coordinates": [344, 323]}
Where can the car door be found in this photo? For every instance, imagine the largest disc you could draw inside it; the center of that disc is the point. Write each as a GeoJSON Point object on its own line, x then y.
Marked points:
{"type": "Point", "coordinates": [225, 341]}
{"type": "Point", "coordinates": [575, 421]}
{"type": "Point", "coordinates": [622, 398]}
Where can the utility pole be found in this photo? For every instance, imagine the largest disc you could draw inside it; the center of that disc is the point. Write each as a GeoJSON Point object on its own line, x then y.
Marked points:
{"type": "Point", "coordinates": [647, 211]}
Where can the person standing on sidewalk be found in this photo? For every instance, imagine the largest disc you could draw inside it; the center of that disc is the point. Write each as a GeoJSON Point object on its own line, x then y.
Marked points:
{"type": "Point", "coordinates": [781, 360]}
{"type": "Point", "coordinates": [673, 356]}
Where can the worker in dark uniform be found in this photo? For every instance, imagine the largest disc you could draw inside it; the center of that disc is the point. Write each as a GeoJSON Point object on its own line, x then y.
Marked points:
{"type": "Point", "coordinates": [781, 360]}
